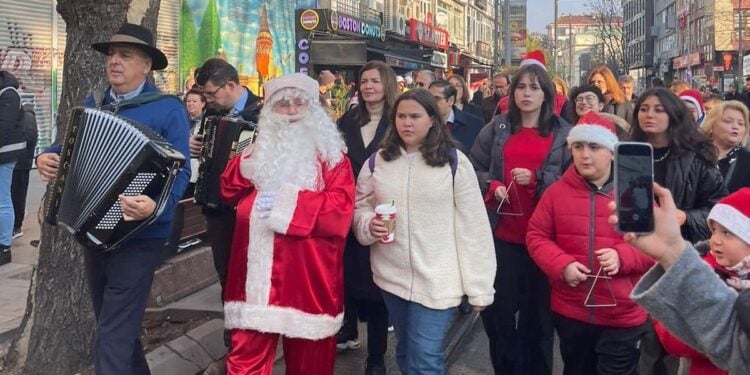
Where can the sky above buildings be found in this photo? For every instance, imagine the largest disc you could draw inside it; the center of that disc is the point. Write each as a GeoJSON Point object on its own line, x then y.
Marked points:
{"type": "Point", "coordinates": [541, 12]}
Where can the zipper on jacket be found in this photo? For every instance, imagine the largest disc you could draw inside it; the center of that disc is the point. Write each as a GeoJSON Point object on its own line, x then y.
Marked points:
{"type": "Point", "coordinates": [408, 227]}
{"type": "Point", "coordinates": [592, 257]}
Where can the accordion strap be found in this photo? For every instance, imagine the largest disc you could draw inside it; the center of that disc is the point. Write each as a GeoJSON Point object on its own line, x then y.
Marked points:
{"type": "Point", "coordinates": [138, 100]}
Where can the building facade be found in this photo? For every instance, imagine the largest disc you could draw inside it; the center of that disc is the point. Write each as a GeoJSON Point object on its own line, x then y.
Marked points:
{"type": "Point", "coordinates": [638, 34]}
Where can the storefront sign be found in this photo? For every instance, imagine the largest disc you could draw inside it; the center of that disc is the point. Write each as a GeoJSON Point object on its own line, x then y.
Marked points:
{"type": "Point", "coordinates": [342, 22]}
{"type": "Point", "coordinates": [309, 19]}
{"type": "Point", "coordinates": [428, 35]}
{"type": "Point", "coordinates": [303, 55]}
{"type": "Point", "coordinates": [680, 62]}
{"type": "Point", "coordinates": [439, 60]}
{"type": "Point", "coordinates": [484, 50]}
{"type": "Point", "coordinates": [694, 58]}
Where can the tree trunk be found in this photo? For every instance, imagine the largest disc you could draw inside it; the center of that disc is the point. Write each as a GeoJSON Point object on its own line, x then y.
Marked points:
{"type": "Point", "coordinates": [57, 332]}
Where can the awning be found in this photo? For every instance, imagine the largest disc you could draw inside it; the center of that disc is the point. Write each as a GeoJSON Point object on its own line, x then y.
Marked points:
{"type": "Point", "coordinates": [338, 52]}
{"type": "Point", "coordinates": [410, 59]}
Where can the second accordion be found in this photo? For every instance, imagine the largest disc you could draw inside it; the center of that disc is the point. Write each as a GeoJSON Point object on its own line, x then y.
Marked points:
{"type": "Point", "coordinates": [104, 156]}
{"type": "Point", "coordinates": [223, 137]}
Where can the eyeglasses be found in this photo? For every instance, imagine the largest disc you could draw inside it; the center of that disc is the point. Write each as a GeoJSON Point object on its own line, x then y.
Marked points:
{"type": "Point", "coordinates": [439, 98]}
{"type": "Point", "coordinates": [590, 99]}
{"type": "Point", "coordinates": [291, 103]}
{"type": "Point", "coordinates": [212, 94]}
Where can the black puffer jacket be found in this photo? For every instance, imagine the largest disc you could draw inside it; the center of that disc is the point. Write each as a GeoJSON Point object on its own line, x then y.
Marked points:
{"type": "Point", "coordinates": [12, 142]}
{"type": "Point", "coordinates": [696, 186]}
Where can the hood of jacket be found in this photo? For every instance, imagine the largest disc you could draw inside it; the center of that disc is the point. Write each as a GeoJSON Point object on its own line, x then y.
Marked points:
{"type": "Point", "coordinates": [7, 80]}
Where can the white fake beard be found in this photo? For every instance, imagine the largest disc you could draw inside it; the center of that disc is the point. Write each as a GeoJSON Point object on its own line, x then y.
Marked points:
{"type": "Point", "coordinates": [292, 150]}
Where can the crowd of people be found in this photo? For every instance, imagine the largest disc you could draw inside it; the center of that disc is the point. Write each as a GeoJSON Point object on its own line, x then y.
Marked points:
{"type": "Point", "coordinates": [498, 203]}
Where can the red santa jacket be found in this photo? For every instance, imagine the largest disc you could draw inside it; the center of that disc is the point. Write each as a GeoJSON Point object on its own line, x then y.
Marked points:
{"type": "Point", "coordinates": [699, 363]}
{"type": "Point", "coordinates": [569, 224]}
{"type": "Point", "coordinates": [502, 105]}
{"type": "Point", "coordinates": [286, 271]}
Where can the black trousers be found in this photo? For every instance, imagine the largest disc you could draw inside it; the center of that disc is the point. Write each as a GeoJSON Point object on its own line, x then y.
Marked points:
{"type": "Point", "coordinates": [522, 346]}
{"type": "Point", "coordinates": [597, 350]}
{"type": "Point", "coordinates": [18, 189]}
{"type": "Point", "coordinates": [120, 282]}
{"type": "Point", "coordinates": [376, 315]}
{"type": "Point", "coordinates": [219, 230]}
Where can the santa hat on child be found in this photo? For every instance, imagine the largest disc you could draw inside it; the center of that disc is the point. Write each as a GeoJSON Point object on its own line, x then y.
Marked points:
{"type": "Point", "coordinates": [695, 98]}
{"type": "Point", "coordinates": [535, 57]}
{"type": "Point", "coordinates": [594, 128]}
{"type": "Point", "coordinates": [733, 213]}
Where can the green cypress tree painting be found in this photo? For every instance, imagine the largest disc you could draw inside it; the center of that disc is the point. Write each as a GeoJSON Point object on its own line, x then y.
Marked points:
{"type": "Point", "coordinates": [209, 37]}
{"type": "Point", "coordinates": [189, 53]}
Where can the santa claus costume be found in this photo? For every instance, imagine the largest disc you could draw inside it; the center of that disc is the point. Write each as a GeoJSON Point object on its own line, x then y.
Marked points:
{"type": "Point", "coordinates": [294, 192]}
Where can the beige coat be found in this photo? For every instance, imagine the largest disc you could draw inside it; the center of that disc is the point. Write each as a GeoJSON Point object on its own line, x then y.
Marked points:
{"type": "Point", "coordinates": [443, 247]}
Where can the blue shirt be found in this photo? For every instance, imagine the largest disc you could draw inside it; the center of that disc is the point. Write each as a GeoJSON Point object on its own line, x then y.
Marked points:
{"type": "Point", "coordinates": [118, 98]}
{"type": "Point", "coordinates": [240, 105]}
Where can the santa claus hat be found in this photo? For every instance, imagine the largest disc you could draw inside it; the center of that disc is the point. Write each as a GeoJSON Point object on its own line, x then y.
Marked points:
{"type": "Point", "coordinates": [293, 80]}
{"type": "Point", "coordinates": [535, 57]}
{"type": "Point", "coordinates": [593, 128]}
{"type": "Point", "coordinates": [695, 98]}
{"type": "Point", "coordinates": [733, 213]}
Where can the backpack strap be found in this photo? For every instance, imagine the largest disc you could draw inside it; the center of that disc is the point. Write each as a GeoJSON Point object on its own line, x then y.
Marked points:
{"type": "Point", "coordinates": [371, 162]}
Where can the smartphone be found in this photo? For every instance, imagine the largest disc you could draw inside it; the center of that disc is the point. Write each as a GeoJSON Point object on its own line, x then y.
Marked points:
{"type": "Point", "coordinates": [634, 182]}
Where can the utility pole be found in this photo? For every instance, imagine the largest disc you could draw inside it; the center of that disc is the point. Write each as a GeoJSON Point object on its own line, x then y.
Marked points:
{"type": "Point", "coordinates": [554, 46]}
{"type": "Point", "coordinates": [506, 29]}
{"type": "Point", "coordinates": [496, 44]}
{"type": "Point", "coordinates": [740, 48]}
{"type": "Point", "coordinates": [570, 47]}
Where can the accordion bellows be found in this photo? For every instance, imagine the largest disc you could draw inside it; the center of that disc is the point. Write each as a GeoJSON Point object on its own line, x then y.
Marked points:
{"type": "Point", "coordinates": [104, 156]}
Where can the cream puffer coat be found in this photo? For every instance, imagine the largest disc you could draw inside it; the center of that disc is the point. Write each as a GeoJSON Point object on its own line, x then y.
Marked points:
{"type": "Point", "coordinates": [443, 246]}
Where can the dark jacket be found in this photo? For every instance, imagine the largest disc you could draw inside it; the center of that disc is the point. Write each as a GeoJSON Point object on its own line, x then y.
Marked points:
{"type": "Point", "coordinates": [696, 186]}
{"type": "Point", "coordinates": [735, 169]}
{"type": "Point", "coordinates": [12, 143]}
{"type": "Point", "coordinates": [167, 117]}
{"type": "Point", "coordinates": [473, 110]}
{"type": "Point", "coordinates": [358, 281]}
{"type": "Point", "coordinates": [489, 107]}
{"type": "Point", "coordinates": [624, 110]}
{"type": "Point", "coordinates": [31, 135]}
{"type": "Point", "coordinates": [465, 129]}
{"type": "Point", "coordinates": [487, 151]}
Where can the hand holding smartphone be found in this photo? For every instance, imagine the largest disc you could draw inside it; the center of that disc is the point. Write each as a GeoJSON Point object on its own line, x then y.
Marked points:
{"type": "Point", "coordinates": [634, 180]}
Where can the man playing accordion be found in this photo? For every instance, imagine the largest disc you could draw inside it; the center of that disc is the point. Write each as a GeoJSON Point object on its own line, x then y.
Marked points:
{"type": "Point", "coordinates": [120, 280]}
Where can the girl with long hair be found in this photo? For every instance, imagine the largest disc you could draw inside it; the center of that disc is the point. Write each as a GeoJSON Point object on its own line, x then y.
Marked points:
{"type": "Point", "coordinates": [441, 250]}
{"type": "Point", "coordinates": [517, 156]}
{"type": "Point", "coordinates": [462, 96]}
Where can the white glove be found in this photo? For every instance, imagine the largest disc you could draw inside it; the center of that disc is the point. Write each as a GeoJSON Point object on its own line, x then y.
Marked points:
{"type": "Point", "coordinates": [264, 203]}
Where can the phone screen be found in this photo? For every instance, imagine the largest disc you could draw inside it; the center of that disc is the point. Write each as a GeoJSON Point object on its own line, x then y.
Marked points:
{"type": "Point", "coordinates": [634, 181]}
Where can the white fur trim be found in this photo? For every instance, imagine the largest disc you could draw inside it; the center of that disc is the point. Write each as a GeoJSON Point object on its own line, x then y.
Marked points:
{"type": "Point", "coordinates": [283, 209]}
{"type": "Point", "coordinates": [732, 219]}
{"type": "Point", "coordinates": [525, 62]}
{"type": "Point", "coordinates": [259, 260]}
{"type": "Point", "coordinates": [592, 134]}
{"type": "Point", "coordinates": [691, 100]}
{"type": "Point", "coordinates": [283, 320]}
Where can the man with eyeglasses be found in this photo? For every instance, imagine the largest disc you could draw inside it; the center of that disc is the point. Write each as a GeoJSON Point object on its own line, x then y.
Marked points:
{"type": "Point", "coordinates": [501, 86]}
{"type": "Point", "coordinates": [463, 126]}
{"type": "Point", "coordinates": [225, 97]}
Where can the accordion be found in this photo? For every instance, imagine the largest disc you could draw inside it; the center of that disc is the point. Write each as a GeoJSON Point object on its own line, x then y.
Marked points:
{"type": "Point", "coordinates": [223, 137]}
{"type": "Point", "coordinates": [104, 156]}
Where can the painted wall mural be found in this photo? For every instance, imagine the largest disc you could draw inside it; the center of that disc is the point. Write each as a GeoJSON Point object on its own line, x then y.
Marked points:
{"type": "Point", "coordinates": [256, 36]}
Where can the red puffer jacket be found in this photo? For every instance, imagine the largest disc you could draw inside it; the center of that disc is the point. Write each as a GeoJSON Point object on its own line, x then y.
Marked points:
{"type": "Point", "coordinates": [569, 224]}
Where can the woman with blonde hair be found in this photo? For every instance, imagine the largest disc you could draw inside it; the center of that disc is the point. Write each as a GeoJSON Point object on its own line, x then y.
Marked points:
{"type": "Point", "coordinates": [561, 88]}
{"type": "Point", "coordinates": [727, 126]}
{"type": "Point", "coordinates": [614, 100]}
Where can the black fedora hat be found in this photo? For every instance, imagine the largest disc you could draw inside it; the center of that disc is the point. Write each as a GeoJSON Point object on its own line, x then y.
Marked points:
{"type": "Point", "coordinates": [138, 36]}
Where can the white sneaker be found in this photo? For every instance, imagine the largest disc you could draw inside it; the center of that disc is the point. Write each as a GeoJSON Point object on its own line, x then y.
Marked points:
{"type": "Point", "coordinates": [17, 233]}
{"type": "Point", "coordinates": [348, 345]}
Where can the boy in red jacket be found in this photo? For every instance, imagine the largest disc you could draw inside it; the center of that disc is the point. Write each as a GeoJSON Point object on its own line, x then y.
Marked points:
{"type": "Point", "coordinates": [590, 267]}
{"type": "Point", "coordinates": [729, 221]}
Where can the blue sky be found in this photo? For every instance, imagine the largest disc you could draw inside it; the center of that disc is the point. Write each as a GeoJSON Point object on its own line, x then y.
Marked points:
{"type": "Point", "coordinates": [541, 12]}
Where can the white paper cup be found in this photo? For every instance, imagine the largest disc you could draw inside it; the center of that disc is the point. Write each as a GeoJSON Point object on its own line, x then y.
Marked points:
{"type": "Point", "coordinates": [387, 213]}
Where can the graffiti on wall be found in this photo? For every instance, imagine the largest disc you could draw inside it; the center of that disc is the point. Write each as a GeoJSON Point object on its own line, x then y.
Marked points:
{"type": "Point", "coordinates": [256, 36]}
{"type": "Point", "coordinates": [31, 63]}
